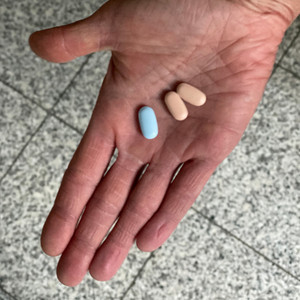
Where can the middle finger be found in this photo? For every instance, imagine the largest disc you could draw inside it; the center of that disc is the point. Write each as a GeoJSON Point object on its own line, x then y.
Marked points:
{"type": "Point", "coordinates": [141, 205]}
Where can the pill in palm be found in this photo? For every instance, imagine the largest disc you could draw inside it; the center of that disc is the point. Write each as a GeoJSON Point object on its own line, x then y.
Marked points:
{"type": "Point", "coordinates": [148, 122]}
{"type": "Point", "coordinates": [176, 106]}
{"type": "Point", "coordinates": [191, 94]}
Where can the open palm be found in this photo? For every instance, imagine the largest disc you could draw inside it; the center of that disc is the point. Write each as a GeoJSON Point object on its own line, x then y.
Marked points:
{"type": "Point", "coordinates": [224, 48]}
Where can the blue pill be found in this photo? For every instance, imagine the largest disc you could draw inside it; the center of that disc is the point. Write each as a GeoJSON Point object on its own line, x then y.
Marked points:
{"type": "Point", "coordinates": [148, 122]}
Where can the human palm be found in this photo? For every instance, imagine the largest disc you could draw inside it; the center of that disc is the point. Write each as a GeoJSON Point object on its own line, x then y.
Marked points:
{"type": "Point", "coordinates": [222, 47]}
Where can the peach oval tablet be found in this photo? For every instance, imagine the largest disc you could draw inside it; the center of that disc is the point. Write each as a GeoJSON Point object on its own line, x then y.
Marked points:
{"type": "Point", "coordinates": [191, 94]}
{"type": "Point", "coordinates": [176, 106]}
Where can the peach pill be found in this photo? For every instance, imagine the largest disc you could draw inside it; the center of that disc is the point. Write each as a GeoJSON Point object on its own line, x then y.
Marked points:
{"type": "Point", "coordinates": [191, 94]}
{"type": "Point", "coordinates": [176, 106]}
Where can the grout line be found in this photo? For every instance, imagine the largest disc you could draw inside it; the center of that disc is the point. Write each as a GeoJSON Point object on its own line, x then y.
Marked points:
{"type": "Point", "coordinates": [137, 275]}
{"type": "Point", "coordinates": [49, 114]}
{"type": "Point", "coordinates": [23, 148]}
{"type": "Point", "coordinates": [64, 122]}
{"type": "Point", "coordinates": [289, 71]}
{"type": "Point", "coordinates": [23, 95]}
{"type": "Point", "coordinates": [48, 111]}
{"type": "Point", "coordinates": [245, 244]}
{"type": "Point", "coordinates": [71, 81]}
{"type": "Point", "coordinates": [288, 47]}
{"type": "Point", "coordinates": [7, 293]}
{"type": "Point", "coordinates": [59, 96]}
{"type": "Point", "coordinates": [275, 67]}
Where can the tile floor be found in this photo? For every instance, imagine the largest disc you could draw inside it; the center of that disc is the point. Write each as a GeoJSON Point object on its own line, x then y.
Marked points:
{"type": "Point", "coordinates": [241, 239]}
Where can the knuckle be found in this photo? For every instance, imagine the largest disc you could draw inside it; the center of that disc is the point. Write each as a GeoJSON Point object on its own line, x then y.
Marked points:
{"type": "Point", "coordinates": [142, 209]}
{"type": "Point", "coordinates": [83, 245]}
{"type": "Point", "coordinates": [78, 177]}
{"type": "Point", "coordinates": [105, 207]}
{"type": "Point", "coordinates": [158, 171]}
{"type": "Point", "coordinates": [108, 203]}
{"type": "Point", "coordinates": [64, 214]}
{"type": "Point", "coordinates": [87, 238]}
{"type": "Point", "coordinates": [178, 206]}
{"type": "Point", "coordinates": [124, 237]}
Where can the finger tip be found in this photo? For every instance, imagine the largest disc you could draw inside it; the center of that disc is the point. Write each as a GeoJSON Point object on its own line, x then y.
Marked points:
{"type": "Point", "coordinates": [146, 240]}
{"type": "Point", "coordinates": [36, 41]}
{"type": "Point", "coordinates": [47, 44]}
{"type": "Point", "coordinates": [55, 236]}
{"type": "Point", "coordinates": [68, 273]}
{"type": "Point", "coordinates": [49, 247]}
{"type": "Point", "coordinates": [52, 252]}
{"type": "Point", "coordinates": [144, 246]}
{"type": "Point", "coordinates": [151, 237]}
{"type": "Point", "coordinates": [66, 280]}
{"type": "Point", "coordinates": [100, 275]}
{"type": "Point", "coordinates": [33, 42]}
{"type": "Point", "coordinates": [102, 269]}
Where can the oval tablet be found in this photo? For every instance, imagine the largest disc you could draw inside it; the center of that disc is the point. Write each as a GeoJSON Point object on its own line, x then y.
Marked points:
{"type": "Point", "coordinates": [176, 106]}
{"type": "Point", "coordinates": [191, 94]}
{"type": "Point", "coordinates": [148, 122]}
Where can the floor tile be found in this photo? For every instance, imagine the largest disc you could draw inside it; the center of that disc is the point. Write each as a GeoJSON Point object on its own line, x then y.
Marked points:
{"type": "Point", "coordinates": [254, 193]}
{"type": "Point", "coordinates": [4, 295]}
{"type": "Point", "coordinates": [27, 194]}
{"type": "Point", "coordinates": [290, 34]}
{"type": "Point", "coordinates": [19, 118]}
{"type": "Point", "coordinates": [200, 261]}
{"type": "Point", "coordinates": [77, 104]}
{"type": "Point", "coordinates": [21, 68]}
{"type": "Point", "coordinates": [291, 60]}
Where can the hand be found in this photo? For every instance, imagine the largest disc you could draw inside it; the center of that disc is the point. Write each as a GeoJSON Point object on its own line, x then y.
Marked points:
{"type": "Point", "coordinates": [223, 47]}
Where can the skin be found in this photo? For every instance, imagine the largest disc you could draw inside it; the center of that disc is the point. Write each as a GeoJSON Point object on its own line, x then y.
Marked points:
{"type": "Point", "coordinates": [225, 48]}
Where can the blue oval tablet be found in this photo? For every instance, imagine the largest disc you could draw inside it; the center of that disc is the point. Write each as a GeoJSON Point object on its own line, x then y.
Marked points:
{"type": "Point", "coordinates": [148, 122]}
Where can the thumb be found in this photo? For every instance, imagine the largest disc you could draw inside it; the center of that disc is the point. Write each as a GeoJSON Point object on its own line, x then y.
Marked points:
{"type": "Point", "coordinates": [65, 43]}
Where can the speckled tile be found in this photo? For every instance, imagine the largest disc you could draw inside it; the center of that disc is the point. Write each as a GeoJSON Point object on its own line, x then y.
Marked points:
{"type": "Point", "coordinates": [5, 296]}
{"type": "Point", "coordinates": [290, 34]}
{"type": "Point", "coordinates": [200, 261]}
{"type": "Point", "coordinates": [19, 118]}
{"type": "Point", "coordinates": [37, 78]}
{"type": "Point", "coordinates": [77, 104]}
{"type": "Point", "coordinates": [254, 193]}
{"type": "Point", "coordinates": [291, 60]}
{"type": "Point", "coordinates": [27, 194]}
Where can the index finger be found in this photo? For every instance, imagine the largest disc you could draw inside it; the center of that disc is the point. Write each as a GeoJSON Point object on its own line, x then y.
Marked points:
{"type": "Point", "coordinates": [79, 182]}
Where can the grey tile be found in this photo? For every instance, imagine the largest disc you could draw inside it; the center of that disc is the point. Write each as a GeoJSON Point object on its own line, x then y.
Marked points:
{"type": "Point", "coordinates": [77, 104]}
{"type": "Point", "coordinates": [254, 193]}
{"type": "Point", "coordinates": [21, 68]}
{"type": "Point", "coordinates": [27, 194]}
{"type": "Point", "coordinates": [200, 261]}
{"type": "Point", "coordinates": [291, 60]}
{"type": "Point", "coordinates": [5, 296]}
{"type": "Point", "coordinates": [290, 34]}
{"type": "Point", "coordinates": [19, 118]}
